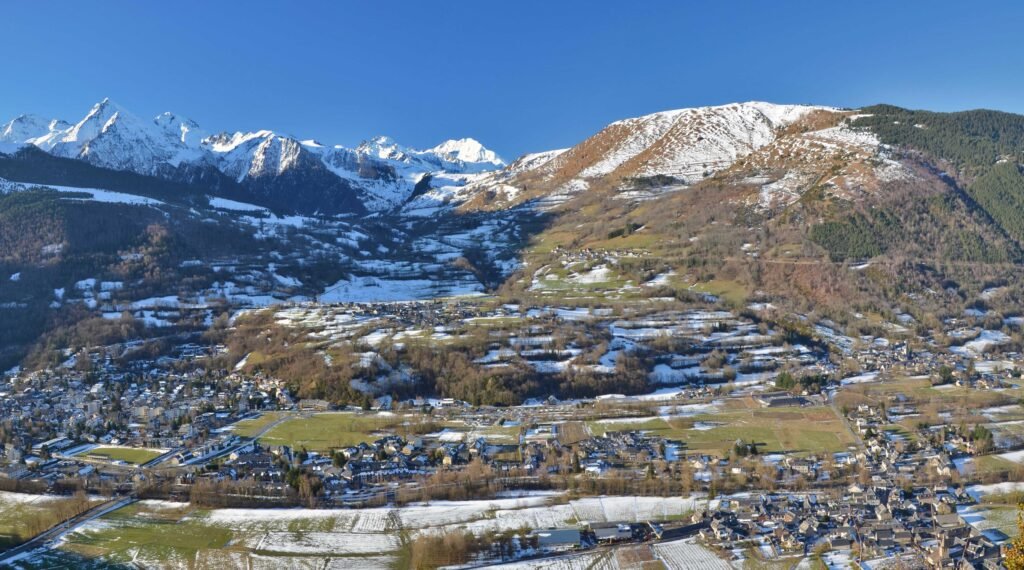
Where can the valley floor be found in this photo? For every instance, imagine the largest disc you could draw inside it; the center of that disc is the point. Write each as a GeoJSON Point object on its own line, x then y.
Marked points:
{"type": "Point", "coordinates": [161, 534]}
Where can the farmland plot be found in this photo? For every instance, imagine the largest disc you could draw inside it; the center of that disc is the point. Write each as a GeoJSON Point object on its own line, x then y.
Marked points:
{"type": "Point", "coordinates": [686, 555]}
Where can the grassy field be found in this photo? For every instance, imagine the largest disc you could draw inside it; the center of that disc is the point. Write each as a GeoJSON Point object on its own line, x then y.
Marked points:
{"type": "Point", "coordinates": [635, 240]}
{"type": "Point", "coordinates": [799, 430]}
{"type": "Point", "coordinates": [786, 250]}
{"type": "Point", "coordinates": [24, 516]}
{"type": "Point", "coordinates": [136, 532]}
{"type": "Point", "coordinates": [920, 391]}
{"type": "Point", "coordinates": [1007, 429]}
{"type": "Point", "coordinates": [168, 535]}
{"type": "Point", "coordinates": [547, 241]}
{"type": "Point", "coordinates": [133, 455]}
{"type": "Point", "coordinates": [141, 535]}
{"type": "Point", "coordinates": [332, 430]}
{"type": "Point", "coordinates": [656, 426]}
{"type": "Point", "coordinates": [251, 427]}
{"type": "Point", "coordinates": [731, 291]}
{"type": "Point", "coordinates": [807, 430]}
{"type": "Point", "coordinates": [899, 430]}
{"type": "Point", "coordinates": [994, 464]}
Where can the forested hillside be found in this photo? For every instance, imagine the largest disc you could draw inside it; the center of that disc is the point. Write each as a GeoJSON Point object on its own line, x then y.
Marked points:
{"type": "Point", "coordinates": [1000, 192]}
{"type": "Point", "coordinates": [971, 140]}
{"type": "Point", "coordinates": [983, 148]}
{"type": "Point", "coordinates": [49, 241]}
{"type": "Point", "coordinates": [34, 166]}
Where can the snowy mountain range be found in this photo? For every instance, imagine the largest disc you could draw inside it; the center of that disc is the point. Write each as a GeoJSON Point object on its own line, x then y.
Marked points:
{"type": "Point", "coordinates": [674, 148]}
{"type": "Point", "coordinates": [378, 175]}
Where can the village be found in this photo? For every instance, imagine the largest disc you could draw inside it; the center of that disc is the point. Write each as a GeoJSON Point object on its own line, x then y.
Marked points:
{"type": "Point", "coordinates": [795, 449]}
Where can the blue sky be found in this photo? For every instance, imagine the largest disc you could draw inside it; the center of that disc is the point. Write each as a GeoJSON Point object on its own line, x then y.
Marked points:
{"type": "Point", "coordinates": [519, 76]}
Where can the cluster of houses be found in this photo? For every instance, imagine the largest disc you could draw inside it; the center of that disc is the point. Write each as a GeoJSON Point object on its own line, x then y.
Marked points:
{"type": "Point", "coordinates": [867, 522]}
{"type": "Point", "coordinates": [138, 403]}
{"type": "Point", "coordinates": [361, 467]}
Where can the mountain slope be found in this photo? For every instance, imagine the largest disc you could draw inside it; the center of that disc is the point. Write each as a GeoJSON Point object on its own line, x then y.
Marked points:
{"type": "Point", "coordinates": [681, 146]}
{"type": "Point", "coordinates": [822, 213]}
{"type": "Point", "coordinates": [813, 210]}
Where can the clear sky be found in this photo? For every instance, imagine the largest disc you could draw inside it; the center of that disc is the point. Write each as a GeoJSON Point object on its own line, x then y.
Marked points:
{"type": "Point", "coordinates": [519, 76]}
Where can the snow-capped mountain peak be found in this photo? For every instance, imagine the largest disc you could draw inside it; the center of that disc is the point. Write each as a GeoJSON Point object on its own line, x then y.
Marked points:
{"type": "Point", "coordinates": [23, 128]}
{"type": "Point", "coordinates": [227, 142]}
{"type": "Point", "coordinates": [383, 147]}
{"type": "Point", "coordinates": [57, 125]}
{"type": "Point", "coordinates": [255, 154]}
{"type": "Point", "coordinates": [112, 137]}
{"type": "Point", "coordinates": [101, 117]}
{"type": "Point", "coordinates": [184, 130]}
{"type": "Point", "coordinates": [467, 150]}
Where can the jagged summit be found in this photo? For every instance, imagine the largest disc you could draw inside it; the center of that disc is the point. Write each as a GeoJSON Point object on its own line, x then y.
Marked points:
{"type": "Point", "coordinates": [25, 127]}
{"type": "Point", "coordinates": [184, 130]}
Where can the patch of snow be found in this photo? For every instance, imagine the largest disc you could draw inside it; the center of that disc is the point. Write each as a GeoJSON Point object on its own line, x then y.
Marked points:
{"type": "Point", "coordinates": [225, 204]}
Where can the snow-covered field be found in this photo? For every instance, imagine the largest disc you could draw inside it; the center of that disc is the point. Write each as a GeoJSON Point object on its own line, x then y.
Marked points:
{"type": "Point", "coordinates": [686, 554]}
{"type": "Point", "coordinates": [105, 196]}
{"type": "Point", "coordinates": [376, 289]}
{"type": "Point", "coordinates": [991, 521]}
{"type": "Point", "coordinates": [978, 491]}
{"type": "Point", "coordinates": [599, 274]}
{"type": "Point", "coordinates": [337, 543]}
{"type": "Point", "coordinates": [225, 204]}
{"type": "Point", "coordinates": [583, 561]}
{"type": "Point", "coordinates": [981, 344]}
{"type": "Point", "coordinates": [370, 538]}
{"type": "Point", "coordinates": [860, 379]}
{"type": "Point", "coordinates": [7, 498]}
{"type": "Point", "coordinates": [1014, 456]}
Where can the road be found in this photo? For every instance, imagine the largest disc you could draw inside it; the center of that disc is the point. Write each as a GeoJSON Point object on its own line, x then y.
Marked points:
{"type": "Point", "coordinates": [46, 538]}
{"type": "Point", "coordinates": [284, 417]}
{"type": "Point", "coordinates": [846, 423]}
{"type": "Point", "coordinates": [161, 458]}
